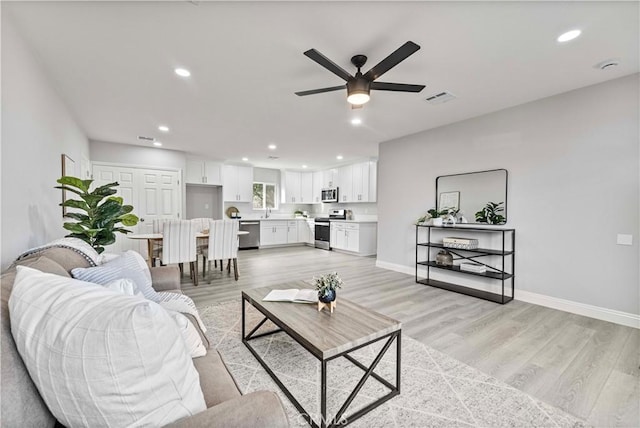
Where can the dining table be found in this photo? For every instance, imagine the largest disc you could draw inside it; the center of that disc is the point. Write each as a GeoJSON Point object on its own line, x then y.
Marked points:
{"type": "Point", "coordinates": [154, 237]}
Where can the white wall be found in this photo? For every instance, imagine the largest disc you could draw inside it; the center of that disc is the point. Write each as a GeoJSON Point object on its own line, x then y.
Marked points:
{"type": "Point", "coordinates": [37, 128]}
{"type": "Point", "coordinates": [573, 162]}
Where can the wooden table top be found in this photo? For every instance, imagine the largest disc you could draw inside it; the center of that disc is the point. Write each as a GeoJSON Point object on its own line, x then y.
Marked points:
{"type": "Point", "coordinates": [322, 333]}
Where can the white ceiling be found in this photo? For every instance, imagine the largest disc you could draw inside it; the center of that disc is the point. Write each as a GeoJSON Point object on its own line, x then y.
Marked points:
{"type": "Point", "coordinates": [113, 64]}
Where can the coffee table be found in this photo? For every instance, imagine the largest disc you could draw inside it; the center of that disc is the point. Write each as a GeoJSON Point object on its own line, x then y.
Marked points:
{"type": "Point", "coordinates": [327, 336]}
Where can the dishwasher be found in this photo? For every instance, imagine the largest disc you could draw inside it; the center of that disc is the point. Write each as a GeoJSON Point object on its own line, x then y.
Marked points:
{"type": "Point", "coordinates": [252, 240]}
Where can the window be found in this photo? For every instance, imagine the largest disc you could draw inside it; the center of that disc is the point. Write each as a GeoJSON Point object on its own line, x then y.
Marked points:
{"type": "Point", "coordinates": [264, 196]}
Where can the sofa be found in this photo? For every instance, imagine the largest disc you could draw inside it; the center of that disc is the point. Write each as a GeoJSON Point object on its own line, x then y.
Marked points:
{"type": "Point", "coordinates": [22, 406]}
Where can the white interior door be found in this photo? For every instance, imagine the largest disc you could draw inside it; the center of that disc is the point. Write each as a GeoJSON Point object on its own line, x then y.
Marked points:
{"type": "Point", "coordinates": [154, 193]}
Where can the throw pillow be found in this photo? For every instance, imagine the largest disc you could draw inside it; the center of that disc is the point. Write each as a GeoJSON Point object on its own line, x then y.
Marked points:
{"type": "Point", "coordinates": [124, 286]}
{"type": "Point", "coordinates": [190, 335]}
{"type": "Point", "coordinates": [130, 265]}
{"type": "Point", "coordinates": [99, 358]}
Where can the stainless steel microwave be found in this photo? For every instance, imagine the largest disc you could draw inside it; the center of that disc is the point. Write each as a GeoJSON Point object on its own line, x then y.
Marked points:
{"type": "Point", "coordinates": [329, 195]}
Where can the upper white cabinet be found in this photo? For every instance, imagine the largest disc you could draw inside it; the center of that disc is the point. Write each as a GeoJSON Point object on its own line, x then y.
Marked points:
{"type": "Point", "coordinates": [373, 181]}
{"type": "Point", "coordinates": [237, 183]}
{"type": "Point", "coordinates": [203, 172]}
{"type": "Point", "coordinates": [357, 182]}
{"type": "Point", "coordinates": [317, 187]}
{"type": "Point", "coordinates": [330, 178]}
{"type": "Point", "coordinates": [298, 187]}
{"type": "Point", "coordinates": [345, 183]}
{"type": "Point", "coordinates": [306, 187]}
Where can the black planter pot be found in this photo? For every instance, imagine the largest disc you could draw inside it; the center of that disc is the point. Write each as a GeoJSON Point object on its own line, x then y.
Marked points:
{"type": "Point", "coordinates": [329, 297]}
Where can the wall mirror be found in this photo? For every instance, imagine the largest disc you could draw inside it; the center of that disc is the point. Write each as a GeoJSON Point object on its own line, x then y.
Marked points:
{"type": "Point", "coordinates": [470, 192]}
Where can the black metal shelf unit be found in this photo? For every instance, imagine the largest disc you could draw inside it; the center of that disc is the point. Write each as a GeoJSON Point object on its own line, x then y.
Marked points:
{"type": "Point", "coordinates": [505, 253]}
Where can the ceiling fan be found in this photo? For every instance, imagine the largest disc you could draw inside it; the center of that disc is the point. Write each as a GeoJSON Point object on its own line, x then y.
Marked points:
{"type": "Point", "coordinates": [358, 86]}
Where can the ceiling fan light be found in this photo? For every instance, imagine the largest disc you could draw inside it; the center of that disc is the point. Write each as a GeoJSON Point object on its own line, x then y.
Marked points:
{"type": "Point", "coordinates": [358, 91]}
{"type": "Point", "coordinates": [358, 98]}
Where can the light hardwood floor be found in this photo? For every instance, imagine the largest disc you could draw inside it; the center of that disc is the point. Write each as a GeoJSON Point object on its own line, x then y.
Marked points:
{"type": "Point", "coordinates": [587, 367]}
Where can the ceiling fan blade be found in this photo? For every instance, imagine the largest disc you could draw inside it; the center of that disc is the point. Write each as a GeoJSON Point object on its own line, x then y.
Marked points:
{"type": "Point", "coordinates": [319, 91]}
{"type": "Point", "coordinates": [328, 64]}
{"type": "Point", "coordinates": [399, 87]}
{"type": "Point", "coordinates": [399, 55]}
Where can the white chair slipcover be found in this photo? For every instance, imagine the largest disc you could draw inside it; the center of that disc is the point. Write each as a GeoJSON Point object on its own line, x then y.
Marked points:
{"type": "Point", "coordinates": [223, 243]}
{"type": "Point", "coordinates": [179, 244]}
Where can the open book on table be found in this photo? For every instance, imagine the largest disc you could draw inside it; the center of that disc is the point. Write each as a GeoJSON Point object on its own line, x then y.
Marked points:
{"type": "Point", "coordinates": [292, 295]}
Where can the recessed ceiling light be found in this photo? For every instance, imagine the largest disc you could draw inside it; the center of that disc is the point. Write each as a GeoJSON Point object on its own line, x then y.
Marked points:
{"type": "Point", "coordinates": [157, 143]}
{"type": "Point", "coordinates": [245, 159]}
{"type": "Point", "coordinates": [569, 35]}
{"type": "Point", "coordinates": [272, 146]}
{"type": "Point", "coordinates": [182, 72]}
{"type": "Point", "coordinates": [163, 128]}
{"type": "Point", "coordinates": [356, 121]}
{"type": "Point", "coordinates": [339, 157]}
{"type": "Point", "coordinates": [304, 166]}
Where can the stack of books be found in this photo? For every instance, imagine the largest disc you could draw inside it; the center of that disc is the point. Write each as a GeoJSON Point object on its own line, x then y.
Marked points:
{"type": "Point", "coordinates": [461, 243]}
{"type": "Point", "coordinates": [473, 267]}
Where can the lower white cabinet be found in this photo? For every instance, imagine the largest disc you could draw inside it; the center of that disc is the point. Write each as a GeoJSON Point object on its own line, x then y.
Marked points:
{"type": "Point", "coordinates": [357, 238]}
{"type": "Point", "coordinates": [306, 232]}
{"type": "Point", "coordinates": [273, 233]}
{"type": "Point", "coordinates": [292, 232]}
{"type": "Point", "coordinates": [281, 232]}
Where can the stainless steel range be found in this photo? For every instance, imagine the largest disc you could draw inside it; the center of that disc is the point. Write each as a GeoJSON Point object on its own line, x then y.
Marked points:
{"type": "Point", "coordinates": [323, 228]}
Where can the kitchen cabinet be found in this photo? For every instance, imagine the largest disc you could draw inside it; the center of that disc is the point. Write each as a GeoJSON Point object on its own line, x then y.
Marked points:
{"type": "Point", "coordinates": [358, 238]}
{"type": "Point", "coordinates": [298, 187]}
{"type": "Point", "coordinates": [317, 187]}
{"type": "Point", "coordinates": [237, 183]}
{"type": "Point", "coordinates": [292, 232]}
{"type": "Point", "coordinates": [307, 232]}
{"type": "Point", "coordinates": [203, 172]}
{"type": "Point", "coordinates": [306, 187]}
{"type": "Point", "coordinates": [273, 233]}
{"type": "Point", "coordinates": [373, 181]}
{"type": "Point", "coordinates": [329, 178]}
{"type": "Point", "coordinates": [345, 183]}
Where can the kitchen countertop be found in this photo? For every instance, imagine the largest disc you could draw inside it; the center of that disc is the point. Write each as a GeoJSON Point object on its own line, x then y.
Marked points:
{"type": "Point", "coordinates": [303, 219]}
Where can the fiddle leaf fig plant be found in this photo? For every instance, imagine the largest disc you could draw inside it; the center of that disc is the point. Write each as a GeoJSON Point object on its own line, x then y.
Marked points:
{"type": "Point", "coordinates": [491, 213]}
{"type": "Point", "coordinates": [99, 215]}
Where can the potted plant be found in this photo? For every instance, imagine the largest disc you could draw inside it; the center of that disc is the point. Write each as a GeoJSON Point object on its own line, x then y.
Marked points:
{"type": "Point", "coordinates": [98, 214]}
{"type": "Point", "coordinates": [327, 285]}
{"type": "Point", "coordinates": [491, 214]}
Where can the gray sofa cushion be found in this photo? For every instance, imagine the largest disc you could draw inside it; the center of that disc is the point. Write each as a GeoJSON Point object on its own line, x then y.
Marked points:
{"type": "Point", "coordinates": [261, 409]}
{"type": "Point", "coordinates": [21, 403]}
{"type": "Point", "coordinates": [215, 380]}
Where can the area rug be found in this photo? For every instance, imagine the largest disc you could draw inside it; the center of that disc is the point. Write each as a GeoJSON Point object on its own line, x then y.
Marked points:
{"type": "Point", "coordinates": [436, 390]}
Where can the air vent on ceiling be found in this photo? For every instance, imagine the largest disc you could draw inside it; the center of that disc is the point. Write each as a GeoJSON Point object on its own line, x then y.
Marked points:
{"type": "Point", "coordinates": [143, 138]}
{"type": "Point", "coordinates": [274, 157]}
{"type": "Point", "coordinates": [440, 98]}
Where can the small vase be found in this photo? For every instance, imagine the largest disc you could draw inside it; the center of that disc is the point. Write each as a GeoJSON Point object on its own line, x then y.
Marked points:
{"type": "Point", "coordinates": [437, 221]}
{"type": "Point", "coordinates": [444, 258]}
{"type": "Point", "coordinates": [327, 298]}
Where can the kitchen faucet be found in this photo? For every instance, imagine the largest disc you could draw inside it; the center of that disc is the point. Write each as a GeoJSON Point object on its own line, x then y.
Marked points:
{"type": "Point", "coordinates": [267, 213]}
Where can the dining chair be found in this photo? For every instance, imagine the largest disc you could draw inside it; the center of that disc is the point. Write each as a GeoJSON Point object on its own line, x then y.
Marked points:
{"type": "Point", "coordinates": [223, 244]}
{"type": "Point", "coordinates": [202, 244]}
{"type": "Point", "coordinates": [157, 226]}
{"type": "Point", "coordinates": [179, 245]}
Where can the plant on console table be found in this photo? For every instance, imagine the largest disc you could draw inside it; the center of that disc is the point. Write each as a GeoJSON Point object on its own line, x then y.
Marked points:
{"type": "Point", "coordinates": [491, 214]}
{"type": "Point", "coordinates": [97, 219]}
{"type": "Point", "coordinates": [327, 285]}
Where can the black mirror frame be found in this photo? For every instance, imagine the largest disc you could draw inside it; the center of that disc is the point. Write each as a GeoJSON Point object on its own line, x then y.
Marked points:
{"type": "Point", "coordinates": [506, 187]}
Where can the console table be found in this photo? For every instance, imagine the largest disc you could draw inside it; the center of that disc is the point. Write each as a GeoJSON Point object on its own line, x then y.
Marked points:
{"type": "Point", "coordinates": [499, 259]}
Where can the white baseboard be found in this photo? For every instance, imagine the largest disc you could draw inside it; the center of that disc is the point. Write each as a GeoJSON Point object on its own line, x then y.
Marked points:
{"type": "Point", "coordinates": [597, 312]}
{"type": "Point", "coordinates": [396, 268]}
